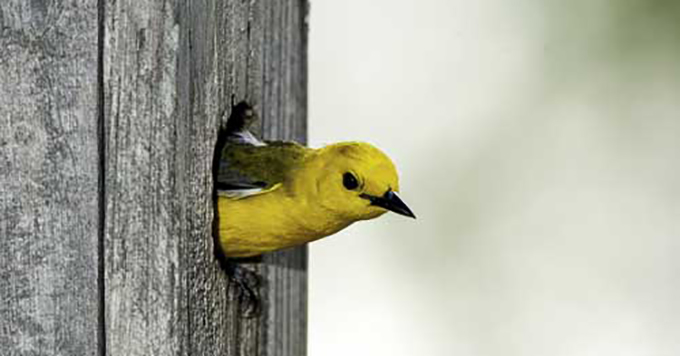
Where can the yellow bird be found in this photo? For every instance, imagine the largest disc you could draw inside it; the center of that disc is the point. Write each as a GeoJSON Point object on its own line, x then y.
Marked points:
{"type": "Point", "coordinates": [275, 195]}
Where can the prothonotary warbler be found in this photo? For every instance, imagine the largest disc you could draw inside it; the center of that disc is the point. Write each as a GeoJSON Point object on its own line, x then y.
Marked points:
{"type": "Point", "coordinates": [275, 195]}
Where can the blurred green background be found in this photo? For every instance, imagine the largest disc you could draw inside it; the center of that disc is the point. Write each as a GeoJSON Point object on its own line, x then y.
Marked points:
{"type": "Point", "coordinates": [538, 142]}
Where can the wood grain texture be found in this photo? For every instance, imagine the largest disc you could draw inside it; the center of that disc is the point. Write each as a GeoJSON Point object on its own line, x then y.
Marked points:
{"type": "Point", "coordinates": [145, 296]}
{"type": "Point", "coordinates": [284, 112]}
{"type": "Point", "coordinates": [49, 174]}
{"type": "Point", "coordinates": [170, 70]}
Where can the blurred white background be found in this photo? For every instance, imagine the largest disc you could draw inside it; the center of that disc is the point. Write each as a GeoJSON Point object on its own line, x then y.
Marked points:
{"type": "Point", "coordinates": [538, 144]}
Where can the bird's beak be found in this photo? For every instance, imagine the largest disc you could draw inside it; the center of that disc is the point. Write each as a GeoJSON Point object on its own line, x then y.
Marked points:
{"type": "Point", "coordinates": [390, 201]}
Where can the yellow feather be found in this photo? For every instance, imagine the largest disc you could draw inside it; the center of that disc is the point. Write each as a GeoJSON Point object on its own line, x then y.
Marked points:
{"type": "Point", "coordinates": [311, 201]}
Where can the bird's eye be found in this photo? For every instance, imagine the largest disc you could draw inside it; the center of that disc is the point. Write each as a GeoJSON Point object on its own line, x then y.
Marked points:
{"type": "Point", "coordinates": [350, 181]}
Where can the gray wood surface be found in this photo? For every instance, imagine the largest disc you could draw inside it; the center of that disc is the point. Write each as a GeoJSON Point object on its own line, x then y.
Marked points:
{"type": "Point", "coordinates": [170, 70]}
{"type": "Point", "coordinates": [49, 174]}
{"type": "Point", "coordinates": [284, 104]}
{"type": "Point", "coordinates": [106, 204]}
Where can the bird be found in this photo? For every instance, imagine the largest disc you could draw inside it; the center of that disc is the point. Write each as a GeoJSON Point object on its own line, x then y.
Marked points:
{"type": "Point", "coordinates": [273, 195]}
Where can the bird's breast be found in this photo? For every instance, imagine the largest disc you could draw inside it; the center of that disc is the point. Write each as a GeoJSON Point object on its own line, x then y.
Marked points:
{"type": "Point", "coordinates": [269, 222]}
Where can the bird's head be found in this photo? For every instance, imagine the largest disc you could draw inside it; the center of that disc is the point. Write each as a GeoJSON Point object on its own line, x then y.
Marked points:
{"type": "Point", "coordinates": [357, 181]}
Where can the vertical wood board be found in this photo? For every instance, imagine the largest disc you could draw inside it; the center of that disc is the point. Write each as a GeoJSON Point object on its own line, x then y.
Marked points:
{"type": "Point", "coordinates": [49, 178]}
{"type": "Point", "coordinates": [145, 296]}
{"type": "Point", "coordinates": [170, 72]}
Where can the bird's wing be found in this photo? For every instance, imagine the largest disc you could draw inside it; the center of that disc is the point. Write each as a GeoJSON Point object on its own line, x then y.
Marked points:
{"type": "Point", "coordinates": [247, 170]}
{"type": "Point", "coordinates": [248, 166]}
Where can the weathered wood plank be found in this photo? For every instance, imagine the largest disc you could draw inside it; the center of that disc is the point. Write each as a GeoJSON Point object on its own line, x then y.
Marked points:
{"type": "Point", "coordinates": [49, 174]}
{"type": "Point", "coordinates": [145, 296]}
{"type": "Point", "coordinates": [284, 111]}
{"type": "Point", "coordinates": [170, 70]}
{"type": "Point", "coordinates": [206, 87]}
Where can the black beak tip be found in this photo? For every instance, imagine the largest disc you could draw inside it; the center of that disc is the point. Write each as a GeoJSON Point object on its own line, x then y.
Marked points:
{"type": "Point", "coordinates": [404, 210]}
{"type": "Point", "coordinates": [391, 202]}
